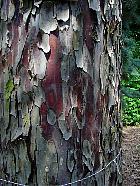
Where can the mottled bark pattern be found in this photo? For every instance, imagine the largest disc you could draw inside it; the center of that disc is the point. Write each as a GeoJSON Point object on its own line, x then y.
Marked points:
{"type": "Point", "coordinates": [59, 91]}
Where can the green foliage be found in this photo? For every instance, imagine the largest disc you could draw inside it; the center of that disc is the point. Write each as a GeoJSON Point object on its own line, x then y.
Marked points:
{"type": "Point", "coordinates": [130, 84]}
{"type": "Point", "coordinates": [127, 55]}
{"type": "Point", "coordinates": [136, 51]}
{"type": "Point", "coordinates": [131, 111]}
{"type": "Point", "coordinates": [131, 15]}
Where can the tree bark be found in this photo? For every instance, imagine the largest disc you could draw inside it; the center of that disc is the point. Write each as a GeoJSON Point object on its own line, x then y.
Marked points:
{"type": "Point", "coordinates": [59, 91]}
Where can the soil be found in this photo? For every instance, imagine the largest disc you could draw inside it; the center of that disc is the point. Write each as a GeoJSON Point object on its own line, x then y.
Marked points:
{"type": "Point", "coordinates": [131, 156]}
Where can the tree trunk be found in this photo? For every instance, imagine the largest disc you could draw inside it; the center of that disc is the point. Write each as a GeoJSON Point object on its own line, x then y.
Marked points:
{"type": "Point", "coordinates": [59, 92]}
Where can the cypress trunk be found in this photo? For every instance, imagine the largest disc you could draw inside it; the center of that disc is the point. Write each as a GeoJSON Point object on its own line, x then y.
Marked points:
{"type": "Point", "coordinates": [59, 92]}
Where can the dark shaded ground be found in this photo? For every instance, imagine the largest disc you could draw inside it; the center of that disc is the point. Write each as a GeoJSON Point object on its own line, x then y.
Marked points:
{"type": "Point", "coordinates": [131, 156]}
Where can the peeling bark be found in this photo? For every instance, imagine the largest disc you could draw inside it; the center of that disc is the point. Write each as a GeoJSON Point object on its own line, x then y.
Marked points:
{"type": "Point", "coordinates": [59, 91]}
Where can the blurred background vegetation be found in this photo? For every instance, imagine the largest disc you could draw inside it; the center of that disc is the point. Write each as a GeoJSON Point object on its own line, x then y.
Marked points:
{"type": "Point", "coordinates": [130, 84]}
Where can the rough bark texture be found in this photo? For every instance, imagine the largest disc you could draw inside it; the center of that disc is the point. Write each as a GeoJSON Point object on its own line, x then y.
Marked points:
{"type": "Point", "coordinates": [59, 91]}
